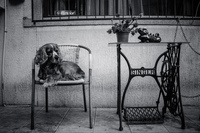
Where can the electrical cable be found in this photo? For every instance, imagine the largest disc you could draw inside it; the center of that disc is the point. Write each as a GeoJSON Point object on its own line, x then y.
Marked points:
{"type": "Point", "coordinates": [179, 24]}
{"type": "Point", "coordinates": [190, 96]}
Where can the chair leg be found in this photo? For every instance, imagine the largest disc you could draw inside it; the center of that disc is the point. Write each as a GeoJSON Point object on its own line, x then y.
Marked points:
{"type": "Point", "coordinates": [90, 108]}
{"type": "Point", "coordinates": [46, 96]}
{"type": "Point", "coordinates": [84, 98]}
{"type": "Point", "coordinates": [33, 106]}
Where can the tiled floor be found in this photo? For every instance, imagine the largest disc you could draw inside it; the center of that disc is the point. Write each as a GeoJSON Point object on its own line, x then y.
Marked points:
{"type": "Point", "coordinates": [75, 120]}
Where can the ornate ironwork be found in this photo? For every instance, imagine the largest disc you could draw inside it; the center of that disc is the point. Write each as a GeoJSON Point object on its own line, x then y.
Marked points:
{"type": "Point", "coordinates": [168, 82]}
{"type": "Point", "coordinates": [137, 115]}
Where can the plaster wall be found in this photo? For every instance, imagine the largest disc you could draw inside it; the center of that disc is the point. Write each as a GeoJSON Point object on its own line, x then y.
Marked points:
{"type": "Point", "coordinates": [23, 42]}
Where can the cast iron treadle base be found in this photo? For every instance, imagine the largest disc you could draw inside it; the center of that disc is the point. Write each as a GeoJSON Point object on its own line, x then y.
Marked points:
{"type": "Point", "coordinates": [142, 115]}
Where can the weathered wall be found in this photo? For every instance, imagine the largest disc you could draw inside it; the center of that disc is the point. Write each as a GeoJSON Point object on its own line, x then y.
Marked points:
{"type": "Point", "coordinates": [23, 42]}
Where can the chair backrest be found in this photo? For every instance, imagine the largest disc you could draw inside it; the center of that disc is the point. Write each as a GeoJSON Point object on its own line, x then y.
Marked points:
{"type": "Point", "coordinates": [70, 52]}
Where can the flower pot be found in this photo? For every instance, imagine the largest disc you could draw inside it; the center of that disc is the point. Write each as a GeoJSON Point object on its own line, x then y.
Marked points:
{"type": "Point", "coordinates": [122, 36]}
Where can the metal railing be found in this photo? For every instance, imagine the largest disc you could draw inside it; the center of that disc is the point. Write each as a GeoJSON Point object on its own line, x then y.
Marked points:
{"type": "Point", "coordinates": [65, 10]}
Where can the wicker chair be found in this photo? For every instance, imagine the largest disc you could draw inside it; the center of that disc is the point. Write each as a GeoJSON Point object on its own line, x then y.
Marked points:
{"type": "Point", "coordinates": [69, 52]}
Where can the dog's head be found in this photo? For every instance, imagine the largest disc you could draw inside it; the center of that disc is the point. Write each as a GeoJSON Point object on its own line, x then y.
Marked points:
{"type": "Point", "coordinates": [48, 52]}
{"type": "Point", "coordinates": [143, 31]}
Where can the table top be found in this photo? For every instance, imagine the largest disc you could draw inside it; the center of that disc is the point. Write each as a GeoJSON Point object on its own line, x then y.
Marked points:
{"type": "Point", "coordinates": [144, 44]}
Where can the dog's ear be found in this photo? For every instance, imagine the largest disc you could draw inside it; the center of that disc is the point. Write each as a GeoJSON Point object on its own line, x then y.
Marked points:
{"type": "Point", "coordinates": [41, 56]}
{"type": "Point", "coordinates": [57, 49]}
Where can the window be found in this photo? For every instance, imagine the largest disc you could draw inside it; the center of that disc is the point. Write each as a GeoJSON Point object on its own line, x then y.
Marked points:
{"type": "Point", "coordinates": [63, 7]}
{"type": "Point", "coordinates": [57, 10]}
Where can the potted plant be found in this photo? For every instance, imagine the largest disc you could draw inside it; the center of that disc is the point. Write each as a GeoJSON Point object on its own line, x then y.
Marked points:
{"type": "Point", "coordinates": [123, 28]}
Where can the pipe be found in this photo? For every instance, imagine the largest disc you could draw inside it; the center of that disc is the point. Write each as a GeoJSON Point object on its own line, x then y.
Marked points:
{"type": "Point", "coordinates": [3, 52]}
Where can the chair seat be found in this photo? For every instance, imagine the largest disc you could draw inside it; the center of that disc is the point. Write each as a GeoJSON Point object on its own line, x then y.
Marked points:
{"type": "Point", "coordinates": [67, 82]}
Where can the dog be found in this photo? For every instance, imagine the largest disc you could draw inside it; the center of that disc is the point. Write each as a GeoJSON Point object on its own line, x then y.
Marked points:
{"type": "Point", "coordinates": [52, 68]}
{"type": "Point", "coordinates": [145, 36]}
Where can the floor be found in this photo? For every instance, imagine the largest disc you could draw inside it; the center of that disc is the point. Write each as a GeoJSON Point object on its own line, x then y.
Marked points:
{"type": "Point", "coordinates": [74, 120]}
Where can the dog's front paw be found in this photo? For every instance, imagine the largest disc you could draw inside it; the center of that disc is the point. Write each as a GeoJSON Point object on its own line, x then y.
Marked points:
{"type": "Point", "coordinates": [45, 85]}
{"type": "Point", "coordinates": [49, 84]}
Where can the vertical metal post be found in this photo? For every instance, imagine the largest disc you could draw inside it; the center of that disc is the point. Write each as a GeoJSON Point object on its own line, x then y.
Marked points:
{"type": "Point", "coordinates": [51, 9]}
{"type": "Point", "coordinates": [119, 107]}
{"type": "Point", "coordinates": [179, 91]}
{"type": "Point", "coordinates": [78, 7]}
{"type": "Point", "coordinates": [166, 6]}
{"type": "Point", "coordinates": [90, 75]}
{"type": "Point", "coordinates": [149, 7]}
{"type": "Point", "coordinates": [33, 96]}
{"type": "Point", "coordinates": [46, 96]}
{"type": "Point", "coordinates": [84, 98]}
{"type": "Point", "coordinates": [184, 10]}
{"type": "Point", "coordinates": [32, 10]}
{"type": "Point", "coordinates": [174, 8]}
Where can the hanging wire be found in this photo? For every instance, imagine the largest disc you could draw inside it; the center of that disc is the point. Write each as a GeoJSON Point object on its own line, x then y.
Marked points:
{"type": "Point", "coordinates": [188, 42]}
{"type": "Point", "coordinates": [190, 96]}
{"type": "Point", "coordinates": [179, 24]}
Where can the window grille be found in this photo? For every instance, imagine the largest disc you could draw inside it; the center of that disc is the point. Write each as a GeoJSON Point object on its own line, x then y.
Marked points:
{"type": "Point", "coordinates": [64, 10]}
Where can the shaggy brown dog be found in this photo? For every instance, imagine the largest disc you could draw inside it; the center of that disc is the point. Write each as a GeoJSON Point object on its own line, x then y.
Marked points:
{"type": "Point", "coordinates": [52, 68]}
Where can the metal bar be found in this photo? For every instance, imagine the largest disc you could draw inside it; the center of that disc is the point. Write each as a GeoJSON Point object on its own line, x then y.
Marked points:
{"type": "Point", "coordinates": [123, 8]}
{"type": "Point", "coordinates": [59, 9]}
{"type": "Point", "coordinates": [42, 10]}
{"type": "Point", "coordinates": [115, 9]}
{"type": "Point", "coordinates": [192, 10]}
{"type": "Point", "coordinates": [33, 96]}
{"type": "Point", "coordinates": [84, 98]}
{"type": "Point", "coordinates": [179, 91]}
{"type": "Point", "coordinates": [174, 8]}
{"type": "Point", "coordinates": [86, 9]}
{"type": "Point", "coordinates": [157, 8]}
{"type": "Point", "coordinates": [69, 7]}
{"type": "Point", "coordinates": [183, 8]}
{"type": "Point", "coordinates": [90, 103]}
{"type": "Point", "coordinates": [46, 97]}
{"type": "Point", "coordinates": [95, 12]}
{"type": "Point", "coordinates": [166, 8]}
{"type": "Point", "coordinates": [78, 8]}
{"type": "Point", "coordinates": [89, 87]}
{"type": "Point", "coordinates": [149, 7]}
{"type": "Point", "coordinates": [119, 87]}
{"type": "Point", "coordinates": [51, 8]}
{"type": "Point", "coordinates": [129, 79]}
{"type": "Point", "coordinates": [32, 10]}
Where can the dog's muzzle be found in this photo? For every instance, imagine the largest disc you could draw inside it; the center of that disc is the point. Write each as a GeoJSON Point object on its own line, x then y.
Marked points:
{"type": "Point", "coordinates": [55, 57]}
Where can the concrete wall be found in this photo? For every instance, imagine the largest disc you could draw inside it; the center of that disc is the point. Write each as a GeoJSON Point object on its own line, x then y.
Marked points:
{"type": "Point", "coordinates": [23, 42]}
